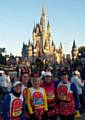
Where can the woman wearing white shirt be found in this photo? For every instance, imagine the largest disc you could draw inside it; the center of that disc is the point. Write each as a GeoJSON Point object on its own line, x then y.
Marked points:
{"type": "Point", "coordinates": [76, 79]}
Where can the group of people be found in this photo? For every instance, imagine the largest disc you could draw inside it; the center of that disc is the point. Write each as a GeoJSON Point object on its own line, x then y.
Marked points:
{"type": "Point", "coordinates": [5, 83]}
{"type": "Point", "coordinates": [36, 99]}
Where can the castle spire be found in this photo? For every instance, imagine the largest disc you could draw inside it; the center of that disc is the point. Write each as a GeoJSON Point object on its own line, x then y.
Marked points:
{"type": "Point", "coordinates": [29, 43]}
{"type": "Point", "coordinates": [43, 23]}
{"type": "Point", "coordinates": [52, 43]}
{"type": "Point", "coordinates": [61, 48]}
{"type": "Point", "coordinates": [74, 51]}
{"type": "Point", "coordinates": [43, 8]}
{"type": "Point", "coordinates": [61, 45]}
{"type": "Point", "coordinates": [74, 45]}
{"type": "Point", "coordinates": [48, 27]}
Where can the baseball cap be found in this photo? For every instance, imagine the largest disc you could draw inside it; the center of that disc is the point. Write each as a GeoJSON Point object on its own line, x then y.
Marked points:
{"type": "Point", "coordinates": [48, 73]}
{"type": "Point", "coordinates": [16, 83]}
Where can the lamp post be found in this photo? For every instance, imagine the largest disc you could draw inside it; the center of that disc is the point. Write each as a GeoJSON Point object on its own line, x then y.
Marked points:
{"type": "Point", "coordinates": [34, 54]}
{"type": "Point", "coordinates": [44, 56]}
{"type": "Point", "coordinates": [7, 60]}
{"type": "Point", "coordinates": [17, 66]}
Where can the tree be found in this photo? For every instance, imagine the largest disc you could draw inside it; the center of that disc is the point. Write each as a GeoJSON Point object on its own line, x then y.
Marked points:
{"type": "Point", "coordinates": [82, 50]}
{"type": "Point", "coordinates": [2, 50]}
{"type": "Point", "coordinates": [2, 59]}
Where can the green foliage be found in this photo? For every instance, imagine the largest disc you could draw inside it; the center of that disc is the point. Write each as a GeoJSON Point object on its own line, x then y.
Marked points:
{"type": "Point", "coordinates": [2, 59]}
{"type": "Point", "coordinates": [2, 50]}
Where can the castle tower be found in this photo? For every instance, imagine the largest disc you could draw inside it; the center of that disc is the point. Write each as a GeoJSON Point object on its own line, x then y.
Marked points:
{"type": "Point", "coordinates": [74, 51]}
{"type": "Point", "coordinates": [48, 35]}
{"type": "Point", "coordinates": [24, 51]}
{"type": "Point", "coordinates": [29, 48]}
{"type": "Point", "coordinates": [34, 34]}
{"type": "Point", "coordinates": [43, 45]}
{"type": "Point", "coordinates": [48, 28]}
{"type": "Point", "coordinates": [43, 24]}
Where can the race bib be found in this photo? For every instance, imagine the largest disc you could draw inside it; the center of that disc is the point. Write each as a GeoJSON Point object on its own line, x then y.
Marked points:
{"type": "Point", "coordinates": [38, 99]}
{"type": "Point", "coordinates": [16, 108]}
{"type": "Point", "coordinates": [62, 92]}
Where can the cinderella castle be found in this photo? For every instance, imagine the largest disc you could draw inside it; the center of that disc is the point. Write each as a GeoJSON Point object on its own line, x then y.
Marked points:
{"type": "Point", "coordinates": [42, 46]}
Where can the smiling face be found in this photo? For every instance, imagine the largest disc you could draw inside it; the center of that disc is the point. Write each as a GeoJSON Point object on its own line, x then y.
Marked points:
{"type": "Point", "coordinates": [65, 78]}
{"type": "Point", "coordinates": [17, 88]}
{"type": "Point", "coordinates": [48, 79]}
{"type": "Point", "coordinates": [36, 82]}
{"type": "Point", "coordinates": [25, 79]}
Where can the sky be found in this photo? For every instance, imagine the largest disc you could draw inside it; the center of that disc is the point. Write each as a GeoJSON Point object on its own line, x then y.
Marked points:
{"type": "Point", "coordinates": [17, 18]}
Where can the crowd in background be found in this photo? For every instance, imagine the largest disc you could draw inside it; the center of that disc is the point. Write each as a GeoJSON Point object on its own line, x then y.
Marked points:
{"type": "Point", "coordinates": [38, 95]}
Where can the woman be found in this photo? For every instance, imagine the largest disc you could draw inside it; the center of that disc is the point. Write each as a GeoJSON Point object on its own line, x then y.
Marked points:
{"type": "Point", "coordinates": [76, 79]}
{"type": "Point", "coordinates": [37, 100]}
{"type": "Point", "coordinates": [49, 86]}
{"type": "Point", "coordinates": [14, 104]}
{"type": "Point", "coordinates": [26, 83]}
{"type": "Point", "coordinates": [25, 79]}
{"type": "Point", "coordinates": [68, 98]}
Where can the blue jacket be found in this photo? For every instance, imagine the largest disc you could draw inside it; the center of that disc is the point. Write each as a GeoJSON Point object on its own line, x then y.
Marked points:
{"type": "Point", "coordinates": [6, 108]}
